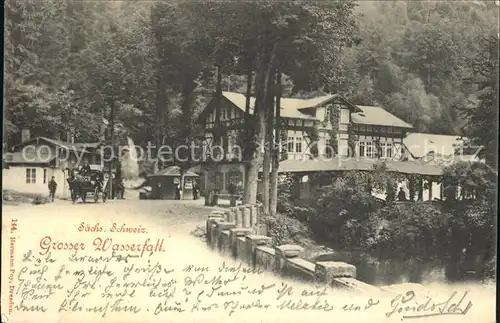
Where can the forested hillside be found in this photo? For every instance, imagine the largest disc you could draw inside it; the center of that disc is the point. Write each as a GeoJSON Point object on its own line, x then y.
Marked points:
{"type": "Point", "coordinates": [70, 64]}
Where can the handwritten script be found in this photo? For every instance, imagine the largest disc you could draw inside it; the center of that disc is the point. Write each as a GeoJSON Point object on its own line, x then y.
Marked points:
{"type": "Point", "coordinates": [118, 276]}
{"type": "Point", "coordinates": [119, 283]}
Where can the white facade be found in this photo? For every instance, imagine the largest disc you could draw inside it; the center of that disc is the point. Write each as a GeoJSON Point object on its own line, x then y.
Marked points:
{"type": "Point", "coordinates": [34, 180]}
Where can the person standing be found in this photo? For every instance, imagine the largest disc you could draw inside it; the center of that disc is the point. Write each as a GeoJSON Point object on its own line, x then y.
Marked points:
{"type": "Point", "coordinates": [177, 192]}
{"type": "Point", "coordinates": [121, 189]}
{"type": "Point", "coordinates": [401, 195]}
{"type": "Point", "coordinates": [52, 188]}
{"type": "Point", "coordinates": [195, 191]}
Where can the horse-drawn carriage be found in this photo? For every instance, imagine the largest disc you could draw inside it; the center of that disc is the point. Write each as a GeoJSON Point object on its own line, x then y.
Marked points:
{"type": "Point", "coordinates": [95, 184]}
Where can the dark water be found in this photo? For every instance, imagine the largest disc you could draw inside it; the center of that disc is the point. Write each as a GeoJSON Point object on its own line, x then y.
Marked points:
{"type": "Point", "coordinates": [380, 271]}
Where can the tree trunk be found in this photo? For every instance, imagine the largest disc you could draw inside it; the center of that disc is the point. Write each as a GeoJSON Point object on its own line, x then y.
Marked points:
{"type": "Point", "coordinates": [112, 139]}
{"type": "Point", "coordinates": [273, 203]}
{"type": "Point", "coordinates": [263, 77]}
{"type": "Point", "coordinates": [266, 168]}
{"type": "Point", "coordinates": [185, 162]}
{"type": "Point", "coordinates": [253, 165]}
{"type": "Point", "coordinates": [210, 185]}
{"type": "Point", "coordinates": [248, 131]}
{"type": "Point", "coordinates": [181, 186]}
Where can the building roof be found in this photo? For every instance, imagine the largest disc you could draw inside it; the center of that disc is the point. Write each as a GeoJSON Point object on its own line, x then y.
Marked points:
{"type": "Point", "coordinates": [27, 158]}
{"type": "Point", "coordinates": [73, 146]}
{"type": "Point", "coordinates": [304, 109]}
{"type": "Point", "coordinates": [173, 171]}
{"type": "Point", "coordinates": [379, 117]}
{"type": "Point", "coordinates": [421, 144]}
{"type": "Point", "coordinates": [354, 163]}
{"type": "Point", "coordinates": [289, 107]}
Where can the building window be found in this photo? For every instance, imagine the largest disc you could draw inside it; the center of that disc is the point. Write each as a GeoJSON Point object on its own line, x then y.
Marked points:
{"type": "Point", "coordinates": [298, 145]}
{"type": "Point", "coordinates": [30, 175]}
{"type": "Point", "coordinates": [219, 181]}
{"type": "Point", "coordinates": [44, 176]}
{"type": "Point", "coordinates": [369, 150]}
{"type": "Point", "coordinates": [235, 178]}
{"type": "Point", "coordinates": [328, 112]}
{"type": "Point", "coordinates": [328, 148]}
{"type": "Point", "coordinates": [362, 149]}
{"type": "Point", "coordinates": [389, 129]}
{"type": "Point", "coordinates": [290, 144]}
{"type": "Point", "coordinates": [223, 113]}
{"type": "Point", "coordinates": [388, 150]}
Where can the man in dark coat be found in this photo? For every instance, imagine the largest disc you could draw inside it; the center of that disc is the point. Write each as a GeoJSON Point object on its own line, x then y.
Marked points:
{"type": "Point", "coordinates": [85, 169]}
{"type": "Point", "coordinates": [196, 190]}
{"type": "Point", "coordinates": [401, 195]}
{"type": "Point", "coordinates": [52, 188]}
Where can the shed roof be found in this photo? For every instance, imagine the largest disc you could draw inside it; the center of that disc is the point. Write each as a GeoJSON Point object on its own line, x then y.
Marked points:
{"type": "Point", "coordinates": [379, 117]}
{"type": "Point", "coordinates": [354, 163]}
{"type": "Point", "coordinates": [421, 144]}
{"type": "Point", "coordinates": [174, 171]}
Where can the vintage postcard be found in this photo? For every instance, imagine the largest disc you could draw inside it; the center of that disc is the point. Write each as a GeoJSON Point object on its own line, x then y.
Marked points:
{"type": "Point", "coordinates": [249, 161]}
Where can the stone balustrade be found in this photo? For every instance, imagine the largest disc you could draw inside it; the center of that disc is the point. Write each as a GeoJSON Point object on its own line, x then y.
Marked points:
{"type": "Point", "coordinates": [231, 232]}
{"type": "Point", "coordinates": [244, 216]}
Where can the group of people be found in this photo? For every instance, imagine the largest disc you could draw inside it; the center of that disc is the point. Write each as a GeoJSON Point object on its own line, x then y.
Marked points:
{"type": "Point", "coordinates": [196, 191]}
{"type": "Point", "coordinates": [85, 171]}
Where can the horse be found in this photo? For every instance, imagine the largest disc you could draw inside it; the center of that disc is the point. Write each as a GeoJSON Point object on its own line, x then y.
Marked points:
{"type": "Point", "coordinates": [76, 186]}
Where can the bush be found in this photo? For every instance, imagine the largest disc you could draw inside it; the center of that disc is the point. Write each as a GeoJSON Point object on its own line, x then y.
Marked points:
{"type": "Point", "coordinates": [40, 200]}
{"type": "Point", "coordinates": [286, 230]}
{"type": "Point", "coordinates": [343, 208]}
{"type": "Point", "coordinates": [418, 229]}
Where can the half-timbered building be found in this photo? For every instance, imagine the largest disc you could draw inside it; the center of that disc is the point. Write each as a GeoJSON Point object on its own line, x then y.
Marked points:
{"type": "Point", "coordinates": [327, 133]}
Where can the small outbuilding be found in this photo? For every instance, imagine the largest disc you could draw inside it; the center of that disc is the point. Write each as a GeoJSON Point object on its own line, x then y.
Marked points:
{"type": "Point", "coordinates": [165, 182]}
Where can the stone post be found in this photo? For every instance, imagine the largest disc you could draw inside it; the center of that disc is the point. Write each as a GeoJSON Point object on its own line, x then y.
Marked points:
{"type": "Point", "coordinates": [246, 217]}
{"type": "Point", "coordinates": [211, 216]}
{"type": "Point", "coordinates": [227, 216]}
{"type": "Point", "coordinates": [214, 237]}
{"type": "Point", "coordinates": [234, 234]}
{"type": "Point", "coordinates": [239, 215]}
{"type": "Point", "coordinates": [327, 271]}
{"type": "Point", "coordinates": [253, 215]}
{"type": "Point", "coordinates": [219, 227]}
{"type": "Point", "coordinates": [252, 242]}
{"type": "Point", "coordinates": [281, 253]}
{"type": "Point", "coordinates": [232, 215]}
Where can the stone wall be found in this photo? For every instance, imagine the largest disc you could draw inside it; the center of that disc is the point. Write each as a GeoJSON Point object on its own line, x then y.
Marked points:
{"type": "Point", "coordinates": [232, 232]}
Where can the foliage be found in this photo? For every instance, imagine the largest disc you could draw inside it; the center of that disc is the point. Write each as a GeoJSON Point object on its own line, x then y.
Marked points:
{"type": "Point", "coordinates": [334, 121]}
{"type": "Point", "coordinates": [412, 58]}
{"type": "Point", "coordinates": [345, 215]}
{"type": "Point", "coordinates": [286, 230]}
{"type": "Point", "coordinates": [313, 136]}
{"type": "Point", "coordinates": [410, 229]}
{"type": "Point", "coordinates": [482, 113]}
{"type": "Point", "coordinates": [474, 179]}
